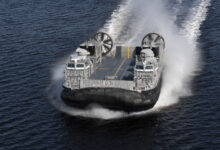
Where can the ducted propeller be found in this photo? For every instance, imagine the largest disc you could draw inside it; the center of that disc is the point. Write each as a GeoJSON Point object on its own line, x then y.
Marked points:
{"type": "Point", "coordinates": [153, 40]}
{"type": "Point", "coordinates": [105, 41]}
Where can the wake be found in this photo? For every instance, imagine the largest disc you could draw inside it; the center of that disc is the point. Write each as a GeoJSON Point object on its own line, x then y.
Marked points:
{"type": "Point", "coordinates": [127, 26]}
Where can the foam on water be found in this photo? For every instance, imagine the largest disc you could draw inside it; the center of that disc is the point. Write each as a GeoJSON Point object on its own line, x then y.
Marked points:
{"type": "Point", "coordinates": [128, 25]}
{"type": "Point", "coordinates": [182, 57]}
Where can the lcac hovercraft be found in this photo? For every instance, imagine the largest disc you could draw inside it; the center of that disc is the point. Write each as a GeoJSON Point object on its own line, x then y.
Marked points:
{"type": "Point", "coordinates": [115, 77]}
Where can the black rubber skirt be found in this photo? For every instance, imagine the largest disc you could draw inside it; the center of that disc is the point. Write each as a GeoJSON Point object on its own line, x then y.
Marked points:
{"type": "Point", "coordinates": [112, 98]}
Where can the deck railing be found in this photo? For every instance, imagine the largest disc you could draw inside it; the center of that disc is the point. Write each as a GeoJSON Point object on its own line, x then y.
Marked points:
{"type": "Point", "coordinates": [128, 85]}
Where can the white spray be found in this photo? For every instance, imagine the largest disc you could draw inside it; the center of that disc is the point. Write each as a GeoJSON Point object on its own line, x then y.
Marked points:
{"type": "Point", "coordinates": [182, 58]}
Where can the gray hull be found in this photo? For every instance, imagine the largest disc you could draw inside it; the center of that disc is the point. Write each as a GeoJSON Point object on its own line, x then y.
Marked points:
{"type": "Point", "coordinates": [112, 98]}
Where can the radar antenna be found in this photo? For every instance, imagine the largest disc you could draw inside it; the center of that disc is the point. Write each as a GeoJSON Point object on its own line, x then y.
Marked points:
{"type": "Point", "coordinates": [105, 41]}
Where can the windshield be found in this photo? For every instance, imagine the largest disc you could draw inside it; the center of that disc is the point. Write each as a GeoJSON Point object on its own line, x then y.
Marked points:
{"type": "Point", "coordinates": [140, 67]}
{"type": "Point", "coordinates": [149, 67]}
{"type": "Point", "coordinates": [80, 65]}
{"type": "Point", "coordinates": [71, 65]}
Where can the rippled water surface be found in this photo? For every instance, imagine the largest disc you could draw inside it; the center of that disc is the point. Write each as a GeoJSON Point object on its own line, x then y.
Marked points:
{"type": "Point", "coordinates": [34, 35]}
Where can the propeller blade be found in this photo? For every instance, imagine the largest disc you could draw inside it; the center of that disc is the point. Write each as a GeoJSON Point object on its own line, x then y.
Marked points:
{"type": "Point", "coordinates": [102, 36]}
{"type": "Point", "coordinates": [108, 40]}
{"type": "Point", "coordinates": [150, 37]}
{"type": "Point", "coordinates": [157, 39]}
{"type": "Point", "coordinates": [103, 50]}
{"type": "Point", "coordinates": [95, 38]}
{"type": "Point", "coordinates": [106, 46]}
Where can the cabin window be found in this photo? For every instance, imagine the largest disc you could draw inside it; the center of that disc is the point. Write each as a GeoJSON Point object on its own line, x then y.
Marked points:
{"type": "Point", "coordinates": [71, 65]}
{"type": "Point", "coordinates": [80, 65]}
{"type": "Point", "coordinates": [149, 67]}
{"type": "Point", "coordinates": [140, 67]}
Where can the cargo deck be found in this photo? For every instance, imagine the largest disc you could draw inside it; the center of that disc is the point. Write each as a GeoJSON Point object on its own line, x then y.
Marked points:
{"type": "Point", "coordinates": [122, 68]}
